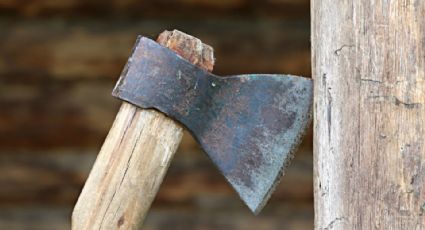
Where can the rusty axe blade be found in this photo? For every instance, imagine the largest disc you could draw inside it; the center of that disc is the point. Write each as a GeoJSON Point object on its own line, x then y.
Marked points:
{"type": "Point", "coordinates": [249, 125]}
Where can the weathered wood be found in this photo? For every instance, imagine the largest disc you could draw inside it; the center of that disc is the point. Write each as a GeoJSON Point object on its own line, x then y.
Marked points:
{"type": "Point", "coordinates": [61, 50]}
{"type": "Point", "coordinates": [155, 8]}
{"type": "Point", "coordinates": [35, 113]}
{"type": "Point", "coordinates": [369, 150]}
{"type": "Point", "coordinates": [56, 178]}
{"type": "Point", "coordinates": [215, 215]}
{"type": "Point", "coordinates": [135, 156]}
{"type": "Point", "coordinates": [128, 170]}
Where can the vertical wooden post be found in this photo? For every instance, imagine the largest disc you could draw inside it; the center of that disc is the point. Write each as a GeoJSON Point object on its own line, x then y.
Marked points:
{"type": "Point", "coordinates": [368, 61]}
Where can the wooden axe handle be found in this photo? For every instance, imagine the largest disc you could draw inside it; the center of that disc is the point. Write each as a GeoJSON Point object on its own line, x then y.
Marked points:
{"type": "Point", "coordinates": [135, 155]}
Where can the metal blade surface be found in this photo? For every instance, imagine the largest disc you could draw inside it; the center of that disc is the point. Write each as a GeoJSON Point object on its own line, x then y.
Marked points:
{"type": "Point", "coordinates": [249, 125]}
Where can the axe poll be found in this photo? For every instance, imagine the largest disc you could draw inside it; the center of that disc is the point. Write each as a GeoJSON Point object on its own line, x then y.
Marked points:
{"type": "Point", "coordinates": [249, 125]}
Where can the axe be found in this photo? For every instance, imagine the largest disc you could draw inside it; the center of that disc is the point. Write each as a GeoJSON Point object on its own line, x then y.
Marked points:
{"type": "Point", "coordinates": [249, 125]}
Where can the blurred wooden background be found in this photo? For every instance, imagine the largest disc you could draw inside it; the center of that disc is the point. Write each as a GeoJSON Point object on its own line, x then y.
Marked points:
{"type": "Point", "coordinates": [59, 60]}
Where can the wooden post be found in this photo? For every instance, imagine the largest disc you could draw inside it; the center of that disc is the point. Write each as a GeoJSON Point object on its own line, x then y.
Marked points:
{"type": "Point", "coordinates": [368, 61]}
{"type": "Point", "coordinates": [135, 156]}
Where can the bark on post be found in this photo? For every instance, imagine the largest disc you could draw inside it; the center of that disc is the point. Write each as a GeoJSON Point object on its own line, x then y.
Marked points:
{"type": "Point", "coordinates": [368, 61]}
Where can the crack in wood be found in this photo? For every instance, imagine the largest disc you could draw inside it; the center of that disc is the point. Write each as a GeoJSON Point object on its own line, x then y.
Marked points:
{"type": "Point", "coordinates": [339, 50]}
{"type": "Point", "coordinates": [396, 101]}
{"type": "Point", "coordinates": [130, 123]}
{"type": "Point", "coordinates": [333, 222]}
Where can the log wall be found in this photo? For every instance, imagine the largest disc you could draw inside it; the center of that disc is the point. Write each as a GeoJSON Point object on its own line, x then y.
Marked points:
{"type": "Point", "coordinates": [59, 61]}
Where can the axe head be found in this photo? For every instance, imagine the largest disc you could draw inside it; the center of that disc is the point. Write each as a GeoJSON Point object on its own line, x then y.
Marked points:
{"type": "Point", "coordinates": [249, 125]}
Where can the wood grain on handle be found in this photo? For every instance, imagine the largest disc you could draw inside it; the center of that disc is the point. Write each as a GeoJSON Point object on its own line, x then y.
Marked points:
{"type": "Point", "coordinates": [135, 156]}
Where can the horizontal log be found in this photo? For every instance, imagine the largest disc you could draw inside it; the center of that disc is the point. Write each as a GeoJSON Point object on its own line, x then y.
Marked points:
{"type": "Point", "coordinates": [51, 114]}
{"type": "Point", "coordinates": [231, 214]}
{"type": "Point", "coordinates": [35, 217]}
{"type": "Point", "coordinates": [57, 177]}
{"type": "Point", "coordinates": [155, 8]}
{"type": "Point", "coordinates": [57, 49]}
{"type": "Point", "coordinates": [297, 216]}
